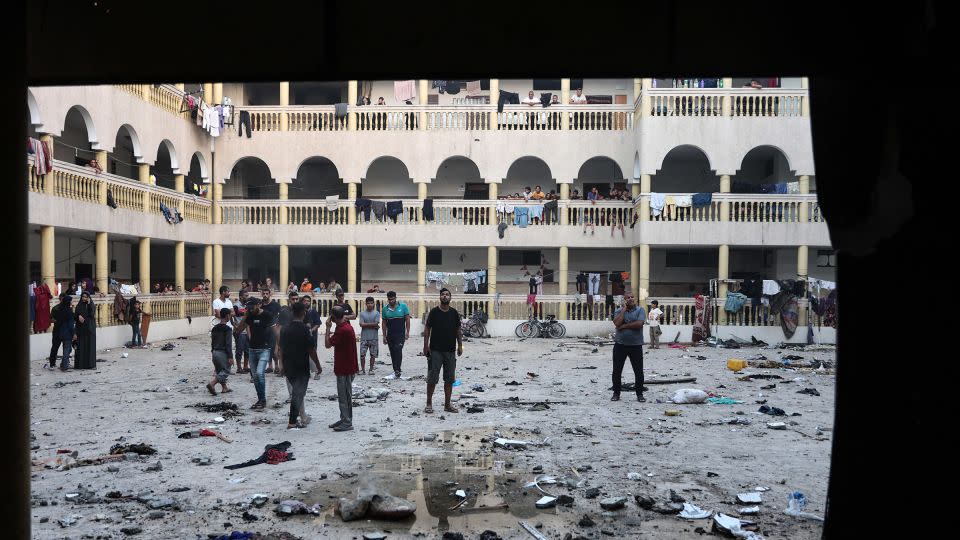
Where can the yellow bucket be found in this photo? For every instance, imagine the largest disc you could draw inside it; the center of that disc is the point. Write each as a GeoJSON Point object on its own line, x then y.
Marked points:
{"type": "Point", "coordinates": [736, 364]}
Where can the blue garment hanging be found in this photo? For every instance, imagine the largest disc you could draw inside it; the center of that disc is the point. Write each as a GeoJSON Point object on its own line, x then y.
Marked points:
{"type": "Point", "coordinates": [521, 216]}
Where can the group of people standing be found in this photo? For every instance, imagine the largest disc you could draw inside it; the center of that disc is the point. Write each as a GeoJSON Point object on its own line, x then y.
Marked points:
{"type": "Point", "coordinates": [264, 332]}
{"type": "Point", "coordinates": [74, 327]}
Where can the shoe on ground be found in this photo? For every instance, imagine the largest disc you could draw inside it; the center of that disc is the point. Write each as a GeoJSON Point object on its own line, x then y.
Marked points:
{"type": "Point", "coordinates": [641, 399]}
{"type": "Point", "coordinates": [390, 377]}
{"type": "Point", "coordinates": [259, 405]}
{"type": "Point", "coordinates": [343, 427]}
{"type": "Point", "coordinates": [298, 425]}
{"type": "Point", "coordinates": [615, 397]}
{"type": "Point", "coordinates": [335, 424]}
{"type": "Point", "coordinates": [305, 420]}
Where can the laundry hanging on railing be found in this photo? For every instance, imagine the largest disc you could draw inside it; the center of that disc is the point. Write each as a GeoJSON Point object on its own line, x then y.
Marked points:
{"type": "Point", "coordinates": [521, 216]}
{"type": "Point", "coordinates": [701, 199]}
{"type": "Point", "coordinates": [405, 90]}
{"type": "Point", "coordinates": [340, 110]}
{"type": "Point", "coordinates": [172, 216]}
{"type": "Point", "coordinates": [657, 202]}
{"type": "Point", "coordinates": [536, 212]}
{"type": "Point", "coordinates": [428, 209]}
{"type": "Point", "coordinates": [473, 281]}
{"type": "Point", "coordinates": [507, 98]}
{"type": "Point", "coordinates": [364, 205]}
{"type": "Point", "coordinates": [394, 210]}
{"type": "Point", "coordinates": [473, 88]}
{"type": "Point", "coordinates": [43, 156]}
{"type": "Point", "coordinates": [782, 188]}
{"type": "Point", "coordinates": [333, 202]}
{"type": "Point", "coordinates": [734, 302]}
{"type": "Point", "coordinates": [379, 210]}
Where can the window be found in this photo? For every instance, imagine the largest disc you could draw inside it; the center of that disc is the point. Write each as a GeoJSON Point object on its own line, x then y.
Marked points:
{"type": "Point", "coordinates": [529, 257]}
{"type": "Point", "coordinates": [409, 256]}
{"type": "Point", "coordinates": [826, 258]}
{"type": "Point", "coordinates": [693, 258]}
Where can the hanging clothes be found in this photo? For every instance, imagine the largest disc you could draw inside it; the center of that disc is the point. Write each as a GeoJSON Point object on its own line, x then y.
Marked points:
{"type": "Point", "coordinates": [333, 203]}
{"type": "Point", "coordinates": [428, 209]}
{"type": "Point", "coordinates": [379, 210]}
{"type": "Point", "coordinates": [536, 211]}
{"type": "Point", "coordinates": [339, 110]}
{"type": "Point", "coordinates": [539, 283]}
{"type": "Point", "coordinates": [506, 98]}
{"type": "Point", "coordinates": [702, 199]}
{"type": "Point", "coordinates": [793, 188]}
{"type": "Point", "coordinates": [701, 327]}
{"type": "Point", "coordinates": [364, 205]}
{"type": "Point", "coordinates": [657, 202]}
{"type": "Point", "coordinates": [404, 90]}
{"type": "Point", "coordinates": [602, 289]}
{"type": "Point", "coordinates": [42, 305]}
{"type": "Point", "coordinates": [735, 302]}
{"type": "Point", "coordinates": [545, 99]}
{"type": "Point", "coordinates": [32, 302]}
{"type": "Point", "coordinates": [593, 284]}
{"type": "Point", "coordinates": [394, 210]}
{"type": "Point", "coordinates": [473, 87]}
{"type": "Point", "coordinates": [581, 283]}
{"type": "Point", "coordinates": [521, 216]}
{"type": "Point", "coordinates": [683, 201]}
{"type": "Point", "coordinates": [789, 316]}
{"type": "Point", "coordinates": [770, 287]}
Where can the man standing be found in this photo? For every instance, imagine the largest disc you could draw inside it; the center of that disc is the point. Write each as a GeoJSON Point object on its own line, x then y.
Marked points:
{"type": "Point", "coordinates": [284, 318]}
{"type": "Point", "coordinates": [653, 321]}
{"type": "Point", "coordinates": [628, 342]}
{"type": "Point", "coordinates": [578, 98]}
{"type": "Point", "coordinates": [240, 339]}
{"type": "Point", "coordinates": [220, 352]}
{"type": "Point", "coordinates": [369, 324]}
{"type": "Point", "coordinates": [219, 303]}
{"type": "Point", "coordinates": [272, 307]}
{"type": "Point", "coordinates": [296, 345]}
{"type": "Point", "coordinates": [396, 330]}
{"type": "Point", "coordinates": [63, 324]}
{"type": "Point", "coordinates": [347, 309]}
{"type": "Point", "coordinates": [311, 319]}
{"type": "Point", "coordinates": [440, 332]}
{"type": "Point", "coordinates": [259, 327]}
{"type": "Point", "coordinates": [344, 343]}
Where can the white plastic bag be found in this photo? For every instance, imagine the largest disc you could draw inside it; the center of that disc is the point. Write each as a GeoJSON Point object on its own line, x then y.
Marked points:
{"type": "Point", "coordinates": [689, 395]}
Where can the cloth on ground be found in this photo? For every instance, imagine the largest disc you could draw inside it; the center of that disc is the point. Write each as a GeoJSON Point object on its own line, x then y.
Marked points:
{"type": "Point", "coordinates": [272, 454]}
{"type": "Point", "coordinates": [702, 199]}
{"type": "Point", "coordinates": [404, 90]}
{"type": "Point", "coordinates": [657, 202]}
{"type": "Point", "coordinates": [333, 202]}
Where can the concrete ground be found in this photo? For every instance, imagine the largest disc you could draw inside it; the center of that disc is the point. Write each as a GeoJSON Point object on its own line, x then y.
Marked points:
{"type": "Point", "coordinates": [583, 439]}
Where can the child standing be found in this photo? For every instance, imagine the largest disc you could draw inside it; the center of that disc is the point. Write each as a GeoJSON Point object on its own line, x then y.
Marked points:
{"type": "Point", "coordinates": [369, 326]}
{"type": "Point", "coordinates": [221, 339]}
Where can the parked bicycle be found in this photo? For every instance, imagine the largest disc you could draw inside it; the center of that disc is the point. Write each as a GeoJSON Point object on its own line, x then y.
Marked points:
{"type": "Point", "coordinates": [474, 326]}
{"type": "Point", "coordinates": [550, 327]}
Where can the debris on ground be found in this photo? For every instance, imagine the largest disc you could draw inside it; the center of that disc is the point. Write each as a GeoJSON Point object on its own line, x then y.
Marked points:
{"type": "Point", "coordinates": [142, 449]}
{"type": "Point", "coordinates": [734, 527]}
{"type": "Point", "coordinates": [221, 407]}
{"type": "Point", "coordinates": [374, 503]}
{"type": "Point", "coordinates": [772, 411]}
{"type": "Point", "coordinates": [796, 502]}
{"type": "Point", "coordinates": [689, 395]}
{"type": "Point", "coordinates": [694, 512]}
{"type": "Point", "coordinates": [294, 507]}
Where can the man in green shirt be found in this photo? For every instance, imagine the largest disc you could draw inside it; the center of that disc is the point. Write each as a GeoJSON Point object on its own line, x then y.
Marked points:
{"type": "Point", "coordinates": [396, 330]}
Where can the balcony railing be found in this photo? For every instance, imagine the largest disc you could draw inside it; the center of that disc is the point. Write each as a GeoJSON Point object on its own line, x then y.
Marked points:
{"type": "Point", "coordinates": [165, 96]}
{"type": "Point", "coordinates": [735, 102]}
{"type": "Point", "coordinates": [744, 208]}
{"type": "Point", "coordinates": [84, 184]}
{"type": "Point", "coordinates": [162, 307]}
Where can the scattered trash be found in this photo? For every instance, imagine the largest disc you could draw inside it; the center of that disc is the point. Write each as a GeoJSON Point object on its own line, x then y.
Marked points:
{"type": "Point", "coordinates": [796, 502]}
{"type": "Point", "coordinates": [513, 383]}
{"type": "Point", "coordinates": [511, 444]}
{"type": "Point", "coordinates": [810, 391]}
{"type": "Point", "coordinates": [540, 407]}
{"type": "Point", "coordinates": [546, 502]}
{"type": "Point", "coordinates": [761, 489]}
{"type": "Point", "coordinates": [457, 382]}
{"type": "Point", "coordinates": [533, 531]}
{"type": "Point", "coordinates": [124, 355]}
{"type": "Point", "coordinates": [477, 387]}
{"type": "Point", "coordinates": [272, 455]}
{"type": "Point", "coordinates": [689, 395]}
{"type": "Point", "coordinates": [142, 449]}
{"type": "Point", "coordinates": [749, 498]}
{"type": "Point", "coordinates": [474, 409]}
{"type": "Point", "coordinates": [672, 412]}
{"type": "Point", "coordinates": [461, 493]}
{"type": "Point", "coordinates": [375, 535]}
{"type": "Point", "coordinates": [293, 507]}
{"type": "Point", "coordinates": [634, 476]}
{"type": "Point", "coordinates": [749, 511]}
{"type": "Point", "coordinates": [259, 499]}
{"type": "Point", "coordinates": [592, 493]}
{"type": "Point", "coordinates": [61, 384]}
{"type": "Point", "coordinates": [613, 503]}
{"type": "Point", "coordinates": [773, 411]}
{"type": "Point", "coordinates": [736, 364]}
{"type": "Point", "coordinates": [675, 497]}
{"type": "Point", "coordinates": [723, 401]}
{"type": "Point", "coordinates": [238, 480]}
{"type": "Point", "coordinates": [776, 425]}
{"type": "Point", "coordinates": [155, 467]}
{"type": "Point", "coordinates": [693, 512]}
{"type": "Point", "coordinates": [212, 407]}
{"type": "Point", "coordinates": [733, 526]}
{"type": "Point", "coordinates": [168, 347]}
{"type": "Point", "coordinates": [586, 521]}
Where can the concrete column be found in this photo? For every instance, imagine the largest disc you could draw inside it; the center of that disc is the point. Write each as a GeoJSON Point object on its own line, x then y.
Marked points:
{"type": "Point", "coordinates": [181, 86]}
{"type": "Point", "coordinates": [284, 102]}
{"type": "Point", "coordinates": [421, 278]}
{"type": "Point", "coordinates": [101, 157]}
{"type": "Point", "coordinates": [284, 195]}
{"type": "Point", "coordinates": [422, 94]}
{"type": "Point", "coordinates": [634, 190]}
{"type": "Point", "coordinates": [217, 280]}
{"type": "Point", "coordinates": [352, 268]}
{"type": "Point", "coordinates": [179, 265]}
{"type": "Point", "coordinates": [564, 196]}
{"type": "Point", "coordinates": [637, 88]}
{"type": "Point", "coordinates": [723, 272]}
{"type": "Point", "coordinates": [805, 102]}
{"type": "Point", "coordinates": [645, 181]}
{"type": "Point", "coordinates": [804, 207]}
{"type": "Point", "coordinates": [208, 92]}
{"type": "Point", "coordinates": [208, 262]}
{"type": "Point", "coordinates": [178, 187]}
{"type": "Point", "coordinates": [48, 262]}
{"type": "Point", "coordinates": [143, 172]}
{"type": "Point", "coordinates": [216, 211]}
{"type": "Point", "coordinates": [564, 99]}
{"type": "Point", "coordinates": [284, 276]}
{"type": "Point", "coordinates": [48, 178]}
{"type": "Point", "coordinates": [217, 93]}
{"type": "Point", "coordinates": [645, 101]}
{"type": "Point", "coordinates": [642, 281]}
{"type": "Point", "coordinates": [494, 99]}
{"type": "Point", "coordinates": [803, 254]}
{"type": "Point", "coordinates": [492, 190]}
{"type": "Point", "coordinates": [563, 279]}
{"type": "Point", "coordinates": [491, 276]}
{"type": "Point", "coordinates": [102, 270]}
{"type": "Point", "coordinates": [725, 205]}
{"type": "Point", "coordinates": [727, 105]}
{"type": "Point", "coordinates": [421, 190]}
{"type": "Point", "coordinates": [144, 265]}
{"type": "Point", "coordinates": [352, 210]}
{"type": "Point", "coordinates": [351, 101]}
{"type": "Point", "coordinates": [634, 269]}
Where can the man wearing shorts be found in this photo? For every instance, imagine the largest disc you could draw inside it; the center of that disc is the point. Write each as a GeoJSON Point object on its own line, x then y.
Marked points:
{"type": "Point", "coordinates": [440, 333]}
{"type": "Point", "coordinates": [369, 325]}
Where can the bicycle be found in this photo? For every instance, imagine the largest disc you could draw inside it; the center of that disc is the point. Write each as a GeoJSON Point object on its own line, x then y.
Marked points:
{"type": "Point", "coordinates": [550, 327]}
{"type": "Point", "coordinates": [473, 326]}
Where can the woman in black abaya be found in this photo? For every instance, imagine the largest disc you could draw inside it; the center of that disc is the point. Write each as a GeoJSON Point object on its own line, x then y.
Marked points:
{"type": "Point", "coordinates": [86, 329]}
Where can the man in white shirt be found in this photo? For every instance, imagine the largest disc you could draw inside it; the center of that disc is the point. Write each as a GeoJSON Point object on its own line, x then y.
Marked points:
{"type": "Point", "coordinates": [579, 98]}
{"type": "Point", "coordinates": [527, 193]}
{"type": "Point", "coordinates": [219, 303]}
{"type": "Point", "coordinates": [653, 321]}
{"type": "Point", "coordinates": [530, 100]}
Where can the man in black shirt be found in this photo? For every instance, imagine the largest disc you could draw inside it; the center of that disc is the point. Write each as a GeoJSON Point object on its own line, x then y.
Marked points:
{"type": "Point", "coordinates": [348, 313]}
{"type": "Point", "coordinates": [311, 318]}
{"type": "Point", "coordinates": [259, 327]}
{"type": "Point", "coordinates": [272, 307]}
{"type": "Point", "coordinates": [283, 319]}
{"type": "Point", "coordinates": [296, 345]}
{"type": "Point", "coordinates": [440, 333]}
{"type": "Point", "coordinates": [221, 336]}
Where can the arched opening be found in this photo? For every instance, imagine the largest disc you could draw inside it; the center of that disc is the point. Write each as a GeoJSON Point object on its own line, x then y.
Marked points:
{"type": "Point", "coordinates": [388, 177]}
{"type": "Point", "coordinates": [318, 93]}
{"type": "Point", "coordinates": [317, 178]}
{"type": "Point", "coordinates": [74, 144]}
{"type": "Point", "coordinates": [123, 161]}
{"type": "Point", "coordinates": [198, 172]}
{"type": "Point", "coordinates": [685, 169]}
{"type": "Point", "coordinates": [600, 172]}
{"type": "Point", "coordinates": [765, 169]}
{"type": "Point", "coordinates": [166, 163]}
{"type": "Point", "coordinates": [458, 177]}
{"type": "Point", "coordinates": [250, 179]}
{"type": "Point", "coordinates": [528, 171]}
